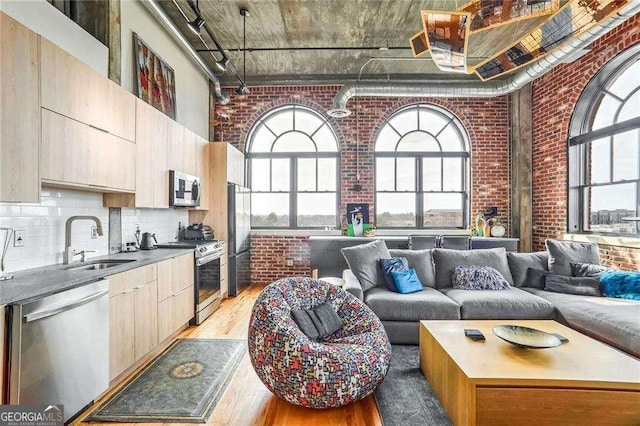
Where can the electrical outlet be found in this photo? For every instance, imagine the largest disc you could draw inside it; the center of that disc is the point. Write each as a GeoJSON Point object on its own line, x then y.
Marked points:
{"type": "Point", "coordinates": [94, 232]}
{"type": "Point", "coordinates": [289, 262]}
{"type": "Point", "coordinates": [18, 238]}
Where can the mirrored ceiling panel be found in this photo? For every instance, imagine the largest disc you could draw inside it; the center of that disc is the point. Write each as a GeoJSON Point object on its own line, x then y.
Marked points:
{"type": "Point", "coordinates": [447, 39]}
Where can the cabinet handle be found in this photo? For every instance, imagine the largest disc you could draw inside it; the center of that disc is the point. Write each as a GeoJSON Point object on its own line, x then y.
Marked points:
{"type": "Point", "coordinates": [98, 128]}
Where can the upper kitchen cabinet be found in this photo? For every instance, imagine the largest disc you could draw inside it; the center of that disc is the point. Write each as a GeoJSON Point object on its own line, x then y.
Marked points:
{"type": "Point", "coordinates": [182, 149]}
{"type": "Point", "coordinates": [226, 157]}
{"type": "Point", "coordinates": [73, 89]}
{"type": "Point", "coordinates": [202, 171]}
{"type": "Point", "coordinates": [20, 113]}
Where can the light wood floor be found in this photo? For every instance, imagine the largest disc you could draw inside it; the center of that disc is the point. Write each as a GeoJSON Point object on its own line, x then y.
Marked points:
{"type": "Point", "coordinates": [247, 401]}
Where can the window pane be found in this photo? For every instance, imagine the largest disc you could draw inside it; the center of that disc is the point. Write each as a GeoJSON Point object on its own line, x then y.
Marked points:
{"type": "Point", "coordinates": [395, 210]}
{"type": "Point", "coordinates": [294, 142]}
{"type": "Point", "coordinates": [432, 122]}
{"type": "Point", "coordinates": [431, 174]}
{"type": "Point", "coordinates": [306, 174]}
{"type": "Point", "coordinates": [317, 210]}
{"type": "Point", "coordinates": [269, 210]}
{"type": "Point", "coordinates": [418, 142]}
{"type": "Point", "coordinates": [442, 210]}
{"type": "Point", "coordinates": [451, 140]}
{"type": "Point", "coordinates": [385, 174]}
{"type": "Point", "coordinates": [406, 170]}
{"type": "Point", "coordinates": [280, 174]}
{"type": "Point", "coordinates": [405, 121]}
{"type": "Point", "coordinates": [327, 174]}
{"type": "Point", "coordinates": [387, 139]}
{"type": "Point", "coordinates": [325, 139]}
{"type": "Point", "coordinates": [306, 122]}
{"type": "Point", "coordinates": [280, 121]}
{"type": "Point", "coordinates": [600, 160]}
{"type": "Point", "coordinates": [626, 150]}
{"type": "Point", "coordinates": [627, 81]}
{"type": "Point", "coordinates": [452, 176]}
{"type": "Point", "coordinates": [260, 174]}
{"type": "Point", "coordinates": [606, 112]}
{"type": "Point", "coordinates": [607, 205]}
{"type": "Point", "coordinates": [262, 139]}
{"type": "Point", "coordinates": [631, 108]}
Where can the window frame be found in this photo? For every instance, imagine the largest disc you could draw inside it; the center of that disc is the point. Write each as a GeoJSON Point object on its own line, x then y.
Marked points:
{"type": "Point", "coordinates": [580, 134]}
{"type": "Point", "coordinates": [293, 158]}
{"type": "Point", "coordinates": [419, 192]}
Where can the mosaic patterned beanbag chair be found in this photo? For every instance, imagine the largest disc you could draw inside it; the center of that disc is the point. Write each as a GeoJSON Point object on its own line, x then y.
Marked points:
{"type": "Point", "coordinates": [344, 367]}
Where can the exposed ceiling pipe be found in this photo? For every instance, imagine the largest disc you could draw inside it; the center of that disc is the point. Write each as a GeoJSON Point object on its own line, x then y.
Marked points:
{"type": "Point", "coordinates": [480, 89]}
{"type": "Point", "coordinates": [221, 96]}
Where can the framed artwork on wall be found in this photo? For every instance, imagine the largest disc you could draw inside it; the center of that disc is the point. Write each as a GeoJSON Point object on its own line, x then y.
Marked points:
{"type": "Point", "coordinates": [155, 78]}
{"type": "Point", "coordinates": [357, 219]}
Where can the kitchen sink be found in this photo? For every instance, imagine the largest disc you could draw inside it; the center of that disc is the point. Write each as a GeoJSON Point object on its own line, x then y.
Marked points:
{"type": "Point", "coordinates": [98, 264]}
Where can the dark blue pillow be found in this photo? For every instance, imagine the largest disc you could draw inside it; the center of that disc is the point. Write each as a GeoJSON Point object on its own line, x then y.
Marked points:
{"type": "Point", "coordinates": [622, 284]}
{"type": "Point", "coordinates": [394, 264]}
{"type": "Point", "coordinates": [406, 281]}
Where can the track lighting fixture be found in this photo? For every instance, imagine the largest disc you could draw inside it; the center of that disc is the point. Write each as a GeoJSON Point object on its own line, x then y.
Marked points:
{"type": "Point", "coordinates": [197, 24]}
{"type": "Point", "coordinates": [221, 65]}
{"type": "Point", "coordinates": [242, 89]}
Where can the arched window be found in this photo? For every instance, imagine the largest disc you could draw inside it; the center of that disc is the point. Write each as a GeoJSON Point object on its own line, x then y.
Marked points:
{"type": "Point", "coordinates": [293, 168]}
{"type": "Point", "coordinates": [422, 155]}
{"type": "Point", "coordinates": [604, 150]}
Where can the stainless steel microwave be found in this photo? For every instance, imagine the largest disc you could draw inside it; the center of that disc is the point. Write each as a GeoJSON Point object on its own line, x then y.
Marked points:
{"type": "Point", "coordinates": [184, 190]}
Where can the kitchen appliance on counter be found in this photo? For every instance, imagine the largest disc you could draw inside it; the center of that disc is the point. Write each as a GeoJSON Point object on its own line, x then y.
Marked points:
{"type": "Point", "coordinates": [239, 227]}
{"type": "Point", "coordinates": [198, 231]}
{"type": "Point", "coordinates": [146, 243]}
{"type": "Point", "coordinates": [207, 274]}
{"type": "Point", "coordinates": [184, 189]}
{"type": "Point", "coordinates": [59, 348]}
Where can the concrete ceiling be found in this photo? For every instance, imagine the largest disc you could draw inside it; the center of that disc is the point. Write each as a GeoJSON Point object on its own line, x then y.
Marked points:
{"type": "Point", "coordinates": [351, 34]}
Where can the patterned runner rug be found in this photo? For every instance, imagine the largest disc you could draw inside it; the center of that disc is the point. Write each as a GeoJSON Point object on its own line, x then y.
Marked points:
{"type": "Point", "coordinates": [182, 384]}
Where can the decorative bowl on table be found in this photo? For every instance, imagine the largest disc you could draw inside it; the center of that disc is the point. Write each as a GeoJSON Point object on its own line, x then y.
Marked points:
{"type": "Point", "coordinates": [526, 337]}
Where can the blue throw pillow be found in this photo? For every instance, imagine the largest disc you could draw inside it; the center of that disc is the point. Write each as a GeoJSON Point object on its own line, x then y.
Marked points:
{"type": "Point", "coordinates": [394, 264]}
{"type": "Point", "coordinates": [406, 281]}
{"type": "Point", "coordinates": [622, 284]}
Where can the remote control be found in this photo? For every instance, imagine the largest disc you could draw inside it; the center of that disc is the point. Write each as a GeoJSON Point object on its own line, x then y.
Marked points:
{"type": "Point", "coordinates": [474, 334]}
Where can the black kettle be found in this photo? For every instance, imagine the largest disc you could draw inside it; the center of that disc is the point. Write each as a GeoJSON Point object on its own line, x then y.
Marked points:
{"type": "Point", "coordinates": [146, 243]}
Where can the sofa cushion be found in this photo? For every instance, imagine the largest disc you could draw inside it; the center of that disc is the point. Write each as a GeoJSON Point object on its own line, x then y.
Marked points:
{"type": "Point", "coordinates": [422, 262]}
{"type": "Point", "coordinates": [478, 278]}
{"type": "Point", "coordinates": [505, 304]}
{"type": "Point", "coordinates": [423, 305]}
{"type": "Point", "coordinates": [583, 286]}
{"type": "Point", "coordinates": [392, 264]}
{"type": "Point", "coordinates": [406, 281]}
{"type": "Point", "coordinates": [580, 269]}
{"type": "Point", "coordinates": [446, 261]}
{"type": "Point", "coordinates": [523, 267]}
{"type": "Point", "coordinates": [363, 260]}
{"type": "Point", "coordinates": [562, 253]}
{"type": "Point", "coordinates": [614, 321]}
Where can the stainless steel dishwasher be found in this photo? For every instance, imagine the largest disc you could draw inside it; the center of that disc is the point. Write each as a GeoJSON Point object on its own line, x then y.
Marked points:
{"type": "Point", "coordinates": [60, 348]}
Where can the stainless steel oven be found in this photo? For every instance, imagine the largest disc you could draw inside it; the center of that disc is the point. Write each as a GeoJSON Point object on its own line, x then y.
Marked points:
{"type": "Point", "coordinates": [207, 280]}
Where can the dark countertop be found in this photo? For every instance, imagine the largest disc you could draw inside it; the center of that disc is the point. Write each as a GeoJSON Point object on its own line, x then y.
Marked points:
{"type": "Point", "coordinates": [39, 282]}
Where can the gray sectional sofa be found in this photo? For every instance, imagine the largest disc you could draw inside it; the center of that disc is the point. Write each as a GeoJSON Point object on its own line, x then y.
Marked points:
{"type": "Point", "coordinates": [613, 321]}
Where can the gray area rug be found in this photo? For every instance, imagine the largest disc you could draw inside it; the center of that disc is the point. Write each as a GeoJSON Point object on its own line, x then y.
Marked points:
{"type": "Point", "coordinates": [182, 385]}
{"type": "Point", "coordinates": [405, 397]}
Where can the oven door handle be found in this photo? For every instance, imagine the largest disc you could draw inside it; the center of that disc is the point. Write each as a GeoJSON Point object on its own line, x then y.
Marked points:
{"type": "Point", "coordinates": [204, 260]}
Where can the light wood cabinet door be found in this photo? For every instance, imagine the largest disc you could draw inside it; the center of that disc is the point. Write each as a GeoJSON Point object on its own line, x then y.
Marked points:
{"type": "Point", "coordinates": [146, 319]}
{"type": "Point", "coordinates": [121, 333]}
{"type": "Point", "coordinates": [191, 147]}
{"type": "Point", "coordinates": [182, 272]}
{"type": "Point", "coordinates": [202, 171]}
{"type": "Point", "coordinates": [224, 279]}
{"type": "Point", "coordinates": [119, 116]}
{"type": "Point", "coordinates": [78, 155]}
{"type": "Point", "coordinates": [235, 165]}
{"type": "Point", "coordinates": [175, 148]}
{"type": "Point", "coordinates": [165, 277]}
{"type": "Point", "coordinates": [165, 318]}
{"type": "Point", "coordinates": [183, 308]}
{"type": "Point", "coordinates": [20, 113]}
{"type": "Point", "coordinates": [153, 130]}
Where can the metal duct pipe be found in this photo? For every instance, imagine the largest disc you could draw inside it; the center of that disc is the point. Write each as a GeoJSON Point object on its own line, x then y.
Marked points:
{"type": "Point", "coordinates": [221, 96]}
{"type": "Point", "coordinates": [480, 89]}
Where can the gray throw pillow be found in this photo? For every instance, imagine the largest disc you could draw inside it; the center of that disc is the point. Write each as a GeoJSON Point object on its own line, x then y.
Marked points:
{"type": "Point", "coordinates": [318, 322]}
{"type": "Point", "coordinates": [581, 286]}
{"type": "Point", "coordinates": [562, 253]}
{"type": "Point", "coordinates": [446, 261]}
{"type": "Point", "coordinates": [536, 278]}
{"type": "Point", "coordinates": [363, 260]}
{"type": "Point", "coordinates": [587, 269]}
{"type": "Point", "coordinates": [478, 278]}
{"type": "Point", "coordinates": [422, 262]}
{"type": "Point", "coordinates": [521, 265]}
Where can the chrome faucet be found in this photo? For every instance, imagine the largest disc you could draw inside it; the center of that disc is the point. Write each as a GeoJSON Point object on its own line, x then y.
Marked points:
{"type": "Point", "coordinates": [69, 252]}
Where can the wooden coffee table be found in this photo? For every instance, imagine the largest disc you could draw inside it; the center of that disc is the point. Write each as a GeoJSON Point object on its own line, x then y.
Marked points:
{"type": "Point", "coordinates": [493, 382]}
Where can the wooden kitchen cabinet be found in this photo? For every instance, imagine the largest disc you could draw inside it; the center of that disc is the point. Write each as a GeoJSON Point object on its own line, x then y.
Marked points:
{"type": "Point", "coordinates": [191, 145]}
{"type": "Point", "coordinates": [203, 172]}
{"type": "Point", "coordinates": [235, 165]}
{"type": "Point", "coordinates": [121, 333]}
{"type": "Point", "coordinates": [176, 146]}
{"type": "Point", "coordinates": [20, 113]}
{"type": "Point", "coordinates": [176, 305]}
{"type": "Point", "coordinates": [74, 89]}
{"type": "Point", "coordinates": [146, 319]}
{"type": "Point", "coordinates": [77, 155]}
{"type": "Point", "coordinates": [182, 272]}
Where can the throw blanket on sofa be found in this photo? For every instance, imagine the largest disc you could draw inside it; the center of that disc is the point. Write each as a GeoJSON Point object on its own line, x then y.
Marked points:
{"type": "Point", "coordinates": [622, 284]}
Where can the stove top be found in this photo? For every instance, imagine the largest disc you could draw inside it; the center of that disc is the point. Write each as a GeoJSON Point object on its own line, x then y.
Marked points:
{"type": "Point", "coordinates": [202, 247]}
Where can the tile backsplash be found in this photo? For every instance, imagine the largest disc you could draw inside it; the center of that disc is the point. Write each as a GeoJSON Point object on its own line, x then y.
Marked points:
{"type": "Point", "coordinates": [44, 224]}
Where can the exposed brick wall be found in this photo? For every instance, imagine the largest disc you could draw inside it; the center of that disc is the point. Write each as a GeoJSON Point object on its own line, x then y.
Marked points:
{"type": "Point", "coordinates": [269, 254]}
{"type": "Point", "coordinates": [486, 121]}
{"type": "Point", "coordinates": [554, 96]}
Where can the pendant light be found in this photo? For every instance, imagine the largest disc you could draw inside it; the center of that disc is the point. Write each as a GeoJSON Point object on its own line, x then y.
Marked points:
{"type": "Point", "coordinates": [242, 89]}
